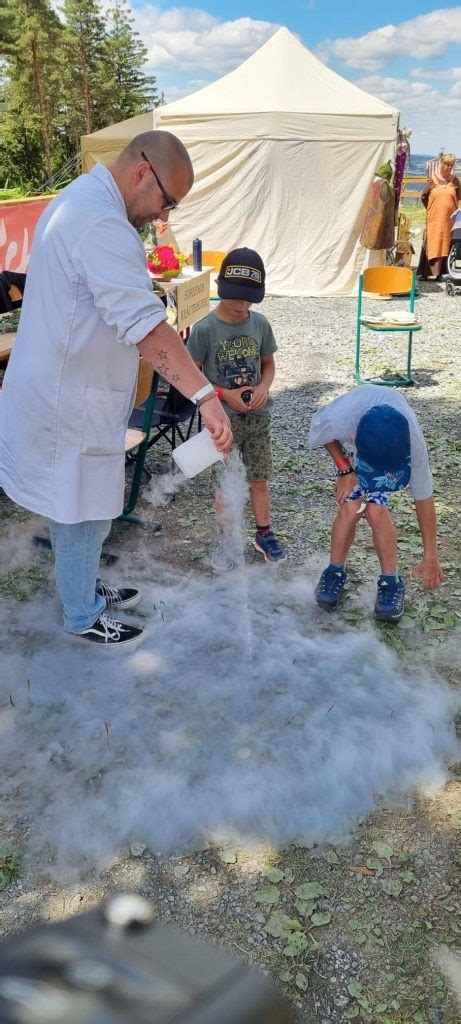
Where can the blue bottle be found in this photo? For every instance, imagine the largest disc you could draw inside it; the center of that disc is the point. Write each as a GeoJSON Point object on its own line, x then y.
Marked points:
{"type": "Point", "coordinates": [197, 253]}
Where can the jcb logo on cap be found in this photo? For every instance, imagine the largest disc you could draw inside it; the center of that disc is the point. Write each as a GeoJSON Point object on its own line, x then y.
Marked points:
{"type": "Point", "coordinates": [244, 273]}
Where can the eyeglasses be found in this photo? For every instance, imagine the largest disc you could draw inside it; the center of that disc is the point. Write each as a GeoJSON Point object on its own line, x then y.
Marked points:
{"type": "Point", "coordinates": [168, 202]}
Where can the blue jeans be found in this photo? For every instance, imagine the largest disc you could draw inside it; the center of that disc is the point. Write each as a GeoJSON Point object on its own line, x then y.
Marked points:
{"type": "Point", "coordinates": [77, 551]}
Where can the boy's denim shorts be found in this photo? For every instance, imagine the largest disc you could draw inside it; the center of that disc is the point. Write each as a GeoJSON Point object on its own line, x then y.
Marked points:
{"type": "Point", "coordinates": [252, 436]}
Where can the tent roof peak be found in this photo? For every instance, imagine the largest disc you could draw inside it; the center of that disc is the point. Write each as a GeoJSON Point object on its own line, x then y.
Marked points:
{"type": "Point", "coordinates": [281, 76]}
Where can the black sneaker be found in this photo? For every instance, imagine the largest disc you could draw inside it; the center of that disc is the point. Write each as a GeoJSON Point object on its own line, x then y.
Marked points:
{"type": "Point", "coordinates": [110, 633]}
{"type": "Point", "coordinates": [123, 597]}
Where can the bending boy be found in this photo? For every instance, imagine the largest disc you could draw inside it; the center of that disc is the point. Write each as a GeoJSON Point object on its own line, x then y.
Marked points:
{"type": "Point", "coordinates": [378, 447]}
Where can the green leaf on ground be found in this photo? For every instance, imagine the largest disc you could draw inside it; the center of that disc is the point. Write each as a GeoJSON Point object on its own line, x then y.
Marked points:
{"type": "Point", "coordinates": [355, 989]}
{"type": "Point", "coordinates": [310, 891]}
{"type": "Point", "coordinates": [331, 857]}
{"type": "Point", "coordinates": [268, 894]}
{"type": "Point", "coordinates": [296, 944]}
{"type": "Point", "coordinates": [374, 864]}
{"type": "Point", "coordinates": [317, 920]}
{"type": "Point", "coordinates": [391, 886]}
{"type": "Point", "coordinates": [275, 875]}
{"type": "Point", "coordinates": [301, 981]}
{"type": "Point", "coordinates": [10, 867]}
{"type": "Point", "coordinates": [383, 849]}
{"type": "Point", "coordinates": [406, 622]}
{"type": "Point", "coordinates": [281, 926]}
{"type": "Point", "coordinates": [360, 937]}
{"type": "Point", "coordinates": [306, 907]}
{"type": "Point", "coordinates": [407, 876]}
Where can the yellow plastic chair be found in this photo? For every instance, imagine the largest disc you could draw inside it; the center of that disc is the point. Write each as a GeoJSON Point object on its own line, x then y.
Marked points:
{"type": "Point", "coordinates": [213, 258]}
{"type": "Point", "coordinates": [394, 281]}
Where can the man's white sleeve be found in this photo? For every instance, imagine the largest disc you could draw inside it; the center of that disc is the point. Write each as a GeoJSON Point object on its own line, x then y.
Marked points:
{"type": "Point", "coordinates": [110, 260]}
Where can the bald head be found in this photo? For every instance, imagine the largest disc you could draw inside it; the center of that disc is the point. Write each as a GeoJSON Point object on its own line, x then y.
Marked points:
{"type": "Point", "coordinates": [146, 193]}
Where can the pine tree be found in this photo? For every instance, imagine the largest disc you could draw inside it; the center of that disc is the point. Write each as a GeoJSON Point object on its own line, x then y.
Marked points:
{"type": "Point", "coordinates": [7, 29]}
{"type": "Point", "coordinates": [85, 38]}
{"type": "Point", "coordinates": [30, 123]}
{"type": "Point", "coordinates": [133, 92]}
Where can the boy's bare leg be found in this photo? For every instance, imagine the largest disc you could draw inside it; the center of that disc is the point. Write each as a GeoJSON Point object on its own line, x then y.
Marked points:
{"type": "Point", "coordinates": [384, 537]}
{"type": "Point", "coordinates": [343, 531]}
{"type": "Point", "coordinates": [260, 502]}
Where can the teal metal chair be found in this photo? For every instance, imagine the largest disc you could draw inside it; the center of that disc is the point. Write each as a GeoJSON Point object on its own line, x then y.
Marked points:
{"type": "Point", "coordinates": [385, 281]}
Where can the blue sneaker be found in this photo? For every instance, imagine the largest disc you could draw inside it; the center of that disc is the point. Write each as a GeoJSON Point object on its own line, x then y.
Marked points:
{"type": "Point", "coordinates": [390, 599]}
{"type": "Point", "coordinates": [330, 587]}
{"type": "Point", "coordinates": [268, 545]}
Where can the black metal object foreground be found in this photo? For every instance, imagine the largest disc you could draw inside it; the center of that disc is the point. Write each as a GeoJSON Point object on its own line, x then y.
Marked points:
{"type": "Point", "coordinates": [119, 965]}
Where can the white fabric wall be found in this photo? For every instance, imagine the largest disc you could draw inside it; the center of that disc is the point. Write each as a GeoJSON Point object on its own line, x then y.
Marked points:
{"type": "Point", "coordinates": [300, 204]}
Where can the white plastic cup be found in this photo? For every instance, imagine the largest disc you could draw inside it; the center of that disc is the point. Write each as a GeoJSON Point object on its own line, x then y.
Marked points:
{"type": "Point", "coordinates": [197, 454]}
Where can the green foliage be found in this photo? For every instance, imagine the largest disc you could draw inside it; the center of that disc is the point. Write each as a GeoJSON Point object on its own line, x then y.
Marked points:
{"type": "Point", "coordinates": [125, 54]}
{"type": "Point", "coordinates": [32, 93]}
{"type": "Point", "coordinates": [10, 867]}
{"type": "Point", "coordinates": [65, 75]}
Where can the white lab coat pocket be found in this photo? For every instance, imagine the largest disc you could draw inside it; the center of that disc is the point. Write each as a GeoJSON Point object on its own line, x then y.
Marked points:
{"type": "Point", "coordinates": [104, 426]}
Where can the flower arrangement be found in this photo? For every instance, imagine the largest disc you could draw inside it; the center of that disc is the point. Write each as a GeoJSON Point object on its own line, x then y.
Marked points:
{"type": "Point", "coordinates": [164, 262]}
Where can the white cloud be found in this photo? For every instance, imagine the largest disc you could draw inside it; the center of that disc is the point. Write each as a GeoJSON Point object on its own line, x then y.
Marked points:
{"type": "Point", "coordinates": [417, 99]}
{"type": "Point", "coordinates": [176, 92]}
{"type": "Point", "coordinates": [184, 39]}
{"type": "Point", "coordinates": [437, 74]}
{"type": "Point", "coordinates": [420, 38]}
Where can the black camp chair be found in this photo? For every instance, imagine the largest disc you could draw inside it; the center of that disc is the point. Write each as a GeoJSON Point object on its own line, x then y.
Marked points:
{"type": "Point", "coordinates": [174, 417]}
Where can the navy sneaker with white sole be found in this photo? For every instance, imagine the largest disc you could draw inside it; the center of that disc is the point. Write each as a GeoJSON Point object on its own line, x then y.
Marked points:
{"type": "Point", "coordinates": [330, 587]}
{"type": "Point", "coordinates": [390, 599]}
{"type": "Point", "coordinates": [119, 597]}
{"type": "Point", "coordinates": [268, 545]}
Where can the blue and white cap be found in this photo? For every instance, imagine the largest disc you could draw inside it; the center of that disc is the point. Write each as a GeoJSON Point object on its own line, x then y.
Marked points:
{"type": "Point", "coordinates": [383, 461]}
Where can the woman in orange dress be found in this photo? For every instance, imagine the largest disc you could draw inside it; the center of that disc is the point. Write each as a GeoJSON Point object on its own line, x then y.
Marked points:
{"type": "Point", "coordinates": [440, 197]}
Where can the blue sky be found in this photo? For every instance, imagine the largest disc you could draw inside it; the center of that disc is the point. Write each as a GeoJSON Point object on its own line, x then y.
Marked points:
{"type": "Point", "coordinates": [408, 53]}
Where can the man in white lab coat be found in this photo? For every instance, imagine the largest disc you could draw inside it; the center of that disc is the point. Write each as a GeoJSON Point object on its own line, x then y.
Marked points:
{"type": "Point", "coordinates": [88, 313]}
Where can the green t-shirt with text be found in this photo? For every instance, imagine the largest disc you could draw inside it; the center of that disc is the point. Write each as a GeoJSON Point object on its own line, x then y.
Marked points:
{"type": "Point", "coordinates": [231, 353]}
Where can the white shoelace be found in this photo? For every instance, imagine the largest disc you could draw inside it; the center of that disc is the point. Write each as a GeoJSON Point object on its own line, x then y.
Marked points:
{"type": "Point", "coordinates": [110, 593]}
{"type": "Point", "coordinates": [112, 628]}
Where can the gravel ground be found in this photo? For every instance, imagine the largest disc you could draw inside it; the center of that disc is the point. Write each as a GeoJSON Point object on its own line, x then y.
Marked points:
{"type": "Point", "coordinates": [377, 925]}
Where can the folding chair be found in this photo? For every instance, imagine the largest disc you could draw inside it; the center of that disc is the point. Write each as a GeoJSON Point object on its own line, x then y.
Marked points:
{"type": "Point", "coordinates": [173, 418]}
{"type": "Point", "coordinates": [213, 258]}
{"type": "Point", "coordinates": [396, 281]}
{"type": "Point", "coordinates": [137, 437]}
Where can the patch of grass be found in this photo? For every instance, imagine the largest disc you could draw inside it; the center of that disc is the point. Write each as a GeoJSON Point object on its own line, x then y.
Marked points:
{"type": "Point", "coordinates": [22, 584]}
{"type": "Point", "coordinates": [10, 867]}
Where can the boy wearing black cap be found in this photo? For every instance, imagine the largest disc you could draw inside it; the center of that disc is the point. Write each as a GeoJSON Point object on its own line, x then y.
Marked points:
{"type": "Point", "coordinates": [234, 346]}
{"type": "Point", "coordinates": [378, 447]}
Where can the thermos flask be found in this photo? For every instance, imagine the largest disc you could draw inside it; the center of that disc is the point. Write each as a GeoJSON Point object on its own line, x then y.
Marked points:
{"type": "Point", "coordinates": [197, 253]}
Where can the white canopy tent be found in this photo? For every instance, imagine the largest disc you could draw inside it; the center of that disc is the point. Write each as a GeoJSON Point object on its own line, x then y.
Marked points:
{"type": "Point", "coordinates": [284, 152]}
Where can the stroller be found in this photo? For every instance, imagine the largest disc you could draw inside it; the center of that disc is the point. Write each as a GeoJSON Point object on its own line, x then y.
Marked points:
{"type": "Point", "coordinates": [453, 276]}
